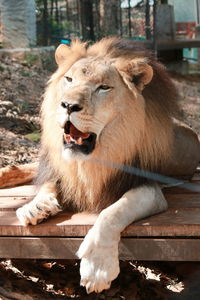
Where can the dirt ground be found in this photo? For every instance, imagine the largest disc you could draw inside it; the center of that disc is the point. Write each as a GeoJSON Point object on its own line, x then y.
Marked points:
{"type": "Point", "coordinates": [22, 85]}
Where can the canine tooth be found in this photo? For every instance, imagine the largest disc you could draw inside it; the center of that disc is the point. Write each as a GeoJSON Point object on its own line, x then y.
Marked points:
{"type": "Point", "coordinates": [72, 139]}
{"type": "Point", "coordinates": [79, 141]}
{"type": "Point", "coordinates": [67, 138]}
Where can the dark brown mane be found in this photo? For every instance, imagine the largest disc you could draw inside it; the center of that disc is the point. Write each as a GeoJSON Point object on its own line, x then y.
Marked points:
{"type": "Point", "coordinates": [161, 89]}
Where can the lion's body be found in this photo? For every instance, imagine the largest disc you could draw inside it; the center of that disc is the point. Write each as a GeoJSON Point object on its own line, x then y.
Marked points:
{"type": "Point", "coordinates": [107, 106]}
{"type": "Point", "coordinates": [140, 135]}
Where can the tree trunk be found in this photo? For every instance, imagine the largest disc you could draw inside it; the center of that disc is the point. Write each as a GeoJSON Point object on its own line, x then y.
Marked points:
{"type": "Point", "coordinates": [52, 6]}
{"type": "Point", "coordinates": [120, 19]}
{"type": "Point", "coordinates": [154, 27]}
{"type": "Point", "coordinates": [97, 20]}
{"type": "Point", "coordinates": [57, 12]}
{"type": "Point", "coordinates": [147, 21]}
{"type": "Point", "coordinates": [78, 19]}
{"type": "Point", "coordinates": [14, 175]}
{"type": "Point", "coordinates": [129, 19]}
{"type": "Point", "coordinates": [45, 23]}
{"type": "Point", "coordinates": [67, 9]}
{"type": "Point", "coordinates": [110, 17]}
{"type": "Point", "coordinates": [87, 25]}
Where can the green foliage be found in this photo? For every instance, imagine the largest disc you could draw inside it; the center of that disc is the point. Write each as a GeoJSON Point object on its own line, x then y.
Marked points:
{"type": "Point", "coordinates": [30, 59]}
{"type": "Point", "coordinates": [48, 62]}
{"type": "Point", "coordinates": [53, 23]}
{"type": "Point", "coordinates": [23, 106]}
{"type": "Point", "coordinates": [2, 68]}
{"type": "Point", "coordinates": [25, 74]}
{"type": "Point", "coordinates": [33, 136]}
{"type": "Point", "coordinates": [67, 26]}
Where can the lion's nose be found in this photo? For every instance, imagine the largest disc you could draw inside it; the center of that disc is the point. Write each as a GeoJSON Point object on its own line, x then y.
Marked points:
{"type": "Point", "coordinates": [71, 107]}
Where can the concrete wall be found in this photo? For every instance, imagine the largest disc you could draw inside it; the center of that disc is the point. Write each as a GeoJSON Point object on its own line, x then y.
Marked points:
{"type": "Point", "coordinates": [184, 10]}
{"type": "Point", "coordinates": [17, 23]}
{"type": "Point", "coordinates": [165, 25]}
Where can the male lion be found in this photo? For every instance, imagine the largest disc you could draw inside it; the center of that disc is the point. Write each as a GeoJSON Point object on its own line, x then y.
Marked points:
{"type": "Point", "coordinates": [107, 105]}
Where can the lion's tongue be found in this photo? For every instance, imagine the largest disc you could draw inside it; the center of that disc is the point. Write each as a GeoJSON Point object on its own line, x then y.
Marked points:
{"type": "Point", "coordinates": [76, 135]}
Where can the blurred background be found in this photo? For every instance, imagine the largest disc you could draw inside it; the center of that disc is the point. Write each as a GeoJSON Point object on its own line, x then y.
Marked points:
{"type": "Point", "coordinates": [170, 27]}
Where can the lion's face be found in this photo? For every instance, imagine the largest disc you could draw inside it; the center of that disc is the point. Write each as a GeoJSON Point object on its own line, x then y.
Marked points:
{"type": "Point", "coordinates": [94, 106]}
{"type": "Point", "coordinates": [90, 103]}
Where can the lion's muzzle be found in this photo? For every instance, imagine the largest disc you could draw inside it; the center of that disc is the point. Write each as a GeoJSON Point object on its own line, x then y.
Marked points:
{"type": "Point", "coordinates": [71, 107]}
{"type": "Point", "coordinates": [78, 141]}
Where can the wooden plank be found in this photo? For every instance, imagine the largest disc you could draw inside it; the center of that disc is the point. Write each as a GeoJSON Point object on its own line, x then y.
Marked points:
{"type": "Point", "coordinates": [40, 248]}
{"type": "Point", "coordinates": [30, 190]}
{"type": "Point", "coordinates": [179, 189]}
{"type": "Point", "coordinates": [170, 45]}
{"type": "Point", "coordinates": [12, 203]}
{"type": "Point", "coordinates": [182, 219]}
{"type": "Point", "coordinates": [160, 249]}
{"type": "Point", "coordinates": [64, 224]}
{"type": "Point", "coordinates": [183, 200]}
{"type": "Point", "coordinates": [15, 175]}
{"type": "Point", "coordinates": [174, 200]}
{"type": "Point", "coordinates": [19, 191]}
{"type": "Point", "coordinates": [130, 248]}
{"type": "Point", "coordinates": [172, 223]}
{"type": "Point", "coordinates": [178, 44]}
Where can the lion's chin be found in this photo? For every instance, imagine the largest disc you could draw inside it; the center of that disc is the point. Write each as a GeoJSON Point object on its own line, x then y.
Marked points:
{"type": "Point", "coordinates": [78, 142]}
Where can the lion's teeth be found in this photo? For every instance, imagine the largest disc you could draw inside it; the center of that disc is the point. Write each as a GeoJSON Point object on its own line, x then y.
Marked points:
{"type": "Point", "coordinates": [67, 138]}
{"type": "Point", "coordinates": [79, 141]}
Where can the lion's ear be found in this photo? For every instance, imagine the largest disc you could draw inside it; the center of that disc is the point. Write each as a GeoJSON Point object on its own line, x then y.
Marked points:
{"type": "Point", "coordinates": [136, 72]}
{"type": "Point", "coordinates": [62, 52]}
{"type": "Point", "coordinates": [142, 74]}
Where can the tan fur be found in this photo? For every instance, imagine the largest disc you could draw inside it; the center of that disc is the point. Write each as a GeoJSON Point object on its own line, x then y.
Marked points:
{"type": "Point", "coordinates": [142, 129]}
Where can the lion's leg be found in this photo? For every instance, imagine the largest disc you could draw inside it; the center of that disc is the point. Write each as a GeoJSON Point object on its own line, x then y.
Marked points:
{"type": "Point", "coordinates": [99, 250]}
{"type": "Point", "coordinates": [43, 205]}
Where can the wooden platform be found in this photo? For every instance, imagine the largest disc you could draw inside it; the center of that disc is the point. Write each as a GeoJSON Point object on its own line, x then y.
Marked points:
{"type": "Point", "coordinates": [171, 44]}
{"type": "Point", "coordinates": [171, 236]}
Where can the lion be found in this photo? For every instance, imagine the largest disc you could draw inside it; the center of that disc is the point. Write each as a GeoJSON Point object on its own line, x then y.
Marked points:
{"type": "Point", "coordinates": [109, 104]}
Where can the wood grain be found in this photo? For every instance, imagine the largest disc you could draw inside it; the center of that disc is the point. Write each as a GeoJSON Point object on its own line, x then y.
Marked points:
{"type": "Point", "coordinates": [172, 235]}
{"type": "Point", "coordinates": [12, 203]}
{"type": "Point", "coordinates": [14, 175]}
{"type": "Point", "coordinates": [130, 249]}
{"type": "Point", "coordinates": [19, 191]}
{"type": "Point", "coordinates": [172, 223]}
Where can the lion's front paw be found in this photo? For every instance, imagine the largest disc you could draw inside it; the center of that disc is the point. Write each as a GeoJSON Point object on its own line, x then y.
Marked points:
{"type": "Point", "coordinates": [99, 263]}
{"type": "Point", "coordinates": [38, 210]}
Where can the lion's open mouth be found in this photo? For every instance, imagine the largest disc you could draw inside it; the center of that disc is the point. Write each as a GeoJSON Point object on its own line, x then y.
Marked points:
{"type": "Point", "coordinates": [77, 140]}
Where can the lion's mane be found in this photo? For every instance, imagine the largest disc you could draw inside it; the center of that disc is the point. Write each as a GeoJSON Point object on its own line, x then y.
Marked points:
{"type": "Point", "coordinates": [91, 185]}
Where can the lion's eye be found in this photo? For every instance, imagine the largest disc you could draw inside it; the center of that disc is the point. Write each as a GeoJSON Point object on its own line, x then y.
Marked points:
{"type": "Point", "coordinates": [69, 79]}
{"type": "Point", "coordinates": [103, 88]}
